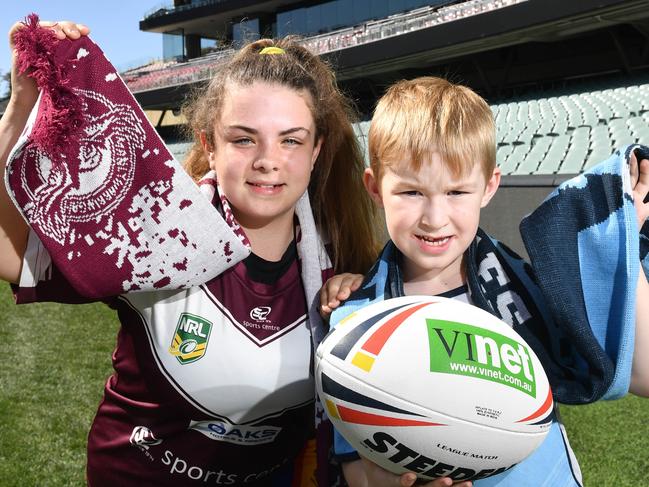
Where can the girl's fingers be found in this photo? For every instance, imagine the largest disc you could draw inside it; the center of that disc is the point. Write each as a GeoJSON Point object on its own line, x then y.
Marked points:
{"type": "Point", "coordinates": [62, 29]}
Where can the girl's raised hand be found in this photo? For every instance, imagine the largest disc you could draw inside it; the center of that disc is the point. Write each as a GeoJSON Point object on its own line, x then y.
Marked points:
{"type": "Point", "coordinates": [23, 88]}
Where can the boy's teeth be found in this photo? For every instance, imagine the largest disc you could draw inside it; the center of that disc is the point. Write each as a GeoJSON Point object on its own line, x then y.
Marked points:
{"type": "Point", "coordinates": [435, 241]}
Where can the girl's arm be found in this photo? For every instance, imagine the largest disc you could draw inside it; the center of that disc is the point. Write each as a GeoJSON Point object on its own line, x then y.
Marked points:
{"type": "Point", "coordinates": [13, 229]}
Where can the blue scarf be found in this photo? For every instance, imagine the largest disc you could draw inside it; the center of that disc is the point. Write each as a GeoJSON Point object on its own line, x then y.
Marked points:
{"type": "Point", "coordinates": [575, 305]}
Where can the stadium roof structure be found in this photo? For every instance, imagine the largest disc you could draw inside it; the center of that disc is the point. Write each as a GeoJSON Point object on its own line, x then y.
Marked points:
{"type": "Point", "coordinates": [498, 47]}
{"type": "Point", "coordinates": [568, 81]}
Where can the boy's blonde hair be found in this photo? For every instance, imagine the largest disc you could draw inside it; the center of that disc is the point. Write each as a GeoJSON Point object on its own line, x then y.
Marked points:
{"type": "Point", "coordinates": [424, 115]}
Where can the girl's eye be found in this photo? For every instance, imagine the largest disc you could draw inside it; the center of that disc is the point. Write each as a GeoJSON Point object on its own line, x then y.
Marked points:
{"type": "Point", "coordinates": [243, 141]}
{"type": "Point", "coordinates": [292, 142]}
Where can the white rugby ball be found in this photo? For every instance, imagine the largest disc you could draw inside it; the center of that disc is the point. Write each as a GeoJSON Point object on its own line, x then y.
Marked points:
{"type": "Point", "coordinates": [434, 386]}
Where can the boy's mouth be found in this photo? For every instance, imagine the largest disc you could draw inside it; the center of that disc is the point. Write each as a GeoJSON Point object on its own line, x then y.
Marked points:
{"type": "Point", "coordinates": [433, 241]}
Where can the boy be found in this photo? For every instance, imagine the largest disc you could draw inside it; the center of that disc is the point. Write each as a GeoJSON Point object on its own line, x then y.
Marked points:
{"type": "Point", "coordinates": [433, 168]}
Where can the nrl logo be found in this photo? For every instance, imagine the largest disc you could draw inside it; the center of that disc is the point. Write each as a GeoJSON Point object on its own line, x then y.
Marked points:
{"type": "Point", "coordinates": [189, 343]}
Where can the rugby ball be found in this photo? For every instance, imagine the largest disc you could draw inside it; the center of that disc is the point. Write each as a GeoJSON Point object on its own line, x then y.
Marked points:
{"type": "Point", "coordinates": [434, 386]}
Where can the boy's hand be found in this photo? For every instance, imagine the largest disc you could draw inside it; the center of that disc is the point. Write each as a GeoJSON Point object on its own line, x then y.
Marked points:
{"type": "Point", "coordinates": [640, 184]}
{"type": "Point", "coordinates": [337, 289]}
{"type": "Point", "coordinates": [364, 473]}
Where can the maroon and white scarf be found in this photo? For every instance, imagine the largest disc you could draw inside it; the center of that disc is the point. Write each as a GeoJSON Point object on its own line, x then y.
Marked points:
{"type": "Point", "coordinates": [98, 186]}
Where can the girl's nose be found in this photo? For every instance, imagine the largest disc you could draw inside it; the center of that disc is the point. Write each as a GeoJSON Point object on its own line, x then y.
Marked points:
{"type": "Point", "coordinates": [266, 160]}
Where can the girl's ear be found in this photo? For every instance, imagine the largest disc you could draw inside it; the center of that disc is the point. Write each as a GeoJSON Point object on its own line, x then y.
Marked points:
{"type": "Point", "coordinates": [372, 186]}
{"type": "Point", "coordinates": [316, 151]}
{"type": "Point", "coordinates": [491, 188]}
{"type": "Point", "coordinates": [204, 143]}
{"type": "Point", "coordinates": [208, 150]}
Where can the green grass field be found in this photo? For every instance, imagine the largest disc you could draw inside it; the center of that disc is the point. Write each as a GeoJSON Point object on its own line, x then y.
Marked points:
{"type": "Point", "coordinates": [55, 360]}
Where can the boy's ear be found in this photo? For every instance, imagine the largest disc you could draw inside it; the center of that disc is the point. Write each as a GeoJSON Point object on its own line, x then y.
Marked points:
{"type": "Point", "coordinates": [492, 187]}
{"type": "Point", "coordinates": [372, 186]}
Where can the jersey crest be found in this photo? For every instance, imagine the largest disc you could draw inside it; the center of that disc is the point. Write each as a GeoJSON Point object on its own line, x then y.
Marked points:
{"type": "Point", "coordinates": [190, 341]}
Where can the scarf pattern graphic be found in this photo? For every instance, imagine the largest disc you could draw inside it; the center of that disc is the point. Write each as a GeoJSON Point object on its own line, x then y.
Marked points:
{"type": "Point", "coordinates": [102, 192]}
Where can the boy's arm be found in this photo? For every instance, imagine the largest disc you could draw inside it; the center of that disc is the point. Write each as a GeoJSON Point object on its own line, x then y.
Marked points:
{"type": "Point", "coordinates": [640, 367]}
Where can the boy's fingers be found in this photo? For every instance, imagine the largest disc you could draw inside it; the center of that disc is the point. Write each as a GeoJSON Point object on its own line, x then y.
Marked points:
{"type": "Point", "coordinates": [641, 180]}
{"type": "Point", "coordinates": [408, 479]}
{"type": "Point", "coordinates": [643, 177]}
{"type": "Point", "coordinates": [633, 163]}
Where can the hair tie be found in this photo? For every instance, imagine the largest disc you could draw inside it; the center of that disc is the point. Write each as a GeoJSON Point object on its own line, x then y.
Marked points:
{"type": "Point", "coordinates": [272, 50]}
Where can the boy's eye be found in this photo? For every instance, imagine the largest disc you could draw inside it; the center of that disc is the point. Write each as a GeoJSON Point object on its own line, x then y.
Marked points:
{"type": "Point", "coordinates": [411, 192]}
{"type": "Point", "coordinates": [457, 192]}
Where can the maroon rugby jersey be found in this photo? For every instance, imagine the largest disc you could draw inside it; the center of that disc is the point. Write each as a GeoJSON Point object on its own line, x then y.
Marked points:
{"type": "Point", "coordinates": [211, 384]}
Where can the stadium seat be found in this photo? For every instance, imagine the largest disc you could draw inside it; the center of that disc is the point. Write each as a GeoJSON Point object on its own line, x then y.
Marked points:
{"type": "Point", "coordinates": [555, 155]}
{"type": "Point", "coordinates": [534, 157]}
{"type": "Point", "coordinates": [502, 153]}
{"type": "Point", "coordinates": [179, 149]}
{"type": "Point", "coordinates": [639, 129]}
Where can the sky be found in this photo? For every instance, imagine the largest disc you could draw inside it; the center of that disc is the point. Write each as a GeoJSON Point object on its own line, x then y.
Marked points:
{"type": "Point", "coordinates": [114, 26]}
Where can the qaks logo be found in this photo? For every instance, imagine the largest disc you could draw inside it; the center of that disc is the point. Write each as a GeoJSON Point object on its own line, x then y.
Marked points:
{"type": "Point", "coordinates": [236, 433]}
{"type": "Point", "coordinates": [189, 343]}
{"type": "Point", "coordinates": [461, 349]}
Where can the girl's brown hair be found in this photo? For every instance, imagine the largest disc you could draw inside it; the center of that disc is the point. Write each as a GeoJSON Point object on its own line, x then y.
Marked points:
{"type": "Point", "coordinates": [342, 209]}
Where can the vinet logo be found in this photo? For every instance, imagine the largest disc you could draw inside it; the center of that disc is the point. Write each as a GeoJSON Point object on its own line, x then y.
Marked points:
{"type": "Point", "coordinates": [260, 312]}
{"type": "Point", "coordinates": [461, 349]}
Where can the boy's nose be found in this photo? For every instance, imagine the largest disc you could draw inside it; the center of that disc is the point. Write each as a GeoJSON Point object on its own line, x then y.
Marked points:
{"type": "Point", "coordinates": [434, 215]}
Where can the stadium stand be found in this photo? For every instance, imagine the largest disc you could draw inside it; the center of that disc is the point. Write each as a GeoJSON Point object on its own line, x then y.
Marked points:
{"type": "Point", "coordinates": [568, 133]}
{"type": "Point", "coordinates": [558, 135]}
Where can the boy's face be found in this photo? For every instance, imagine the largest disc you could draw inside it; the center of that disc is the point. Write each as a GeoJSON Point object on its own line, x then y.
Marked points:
{"type": "Point", "coordinates": [432, 216]}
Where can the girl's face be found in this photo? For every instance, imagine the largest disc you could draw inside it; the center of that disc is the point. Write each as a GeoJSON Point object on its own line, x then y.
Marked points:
{"type": "Point", "coordinates": [264, 151]}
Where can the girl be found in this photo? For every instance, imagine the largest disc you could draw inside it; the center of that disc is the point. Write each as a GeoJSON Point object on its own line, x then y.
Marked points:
{"type": "Point", "coordinates": [270, 126]}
